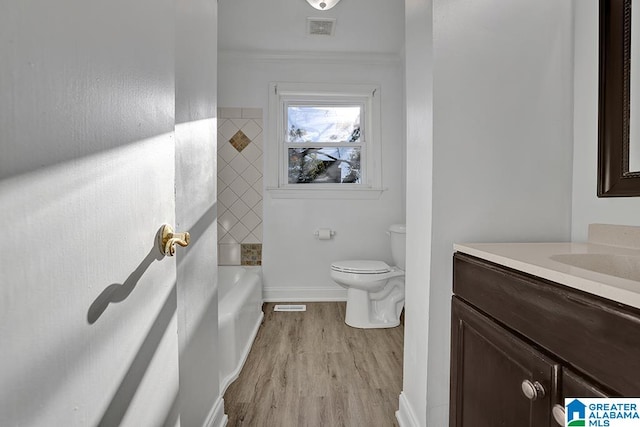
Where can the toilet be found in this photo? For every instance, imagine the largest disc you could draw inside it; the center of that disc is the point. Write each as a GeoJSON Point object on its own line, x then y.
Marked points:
{"type": "Point", "coordinates": [375, 290]}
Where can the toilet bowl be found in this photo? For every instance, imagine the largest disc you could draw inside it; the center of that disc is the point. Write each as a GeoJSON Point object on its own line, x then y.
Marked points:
{"type": "Point", "coordinates": [375, 290]}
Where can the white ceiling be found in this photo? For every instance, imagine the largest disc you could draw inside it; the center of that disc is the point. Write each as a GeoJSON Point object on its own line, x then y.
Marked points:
{"type": "Point", "coordinates": [362, 26]}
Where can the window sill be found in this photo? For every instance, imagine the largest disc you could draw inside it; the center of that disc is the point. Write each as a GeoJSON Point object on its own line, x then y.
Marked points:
{"type": "Point", "coordinates": [325, 193]}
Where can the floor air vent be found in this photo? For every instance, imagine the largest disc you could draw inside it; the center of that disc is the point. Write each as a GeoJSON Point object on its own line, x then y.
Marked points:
{"type": "Point", "coordinates": [321, 26]}
{"type": "Point", "coordinates": [290, 307]}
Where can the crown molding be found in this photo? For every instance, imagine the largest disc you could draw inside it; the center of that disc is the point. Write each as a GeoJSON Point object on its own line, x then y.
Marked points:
{"type": "Point", "coordinates": [309, 57]}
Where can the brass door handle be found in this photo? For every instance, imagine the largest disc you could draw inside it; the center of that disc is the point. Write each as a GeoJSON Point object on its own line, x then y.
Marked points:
{"type": "Point", "coordinates": [168, 240]}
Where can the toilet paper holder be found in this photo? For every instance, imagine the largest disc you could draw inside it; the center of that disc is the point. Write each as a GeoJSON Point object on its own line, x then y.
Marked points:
{"type": "Point", "coordinates": [324, 233]}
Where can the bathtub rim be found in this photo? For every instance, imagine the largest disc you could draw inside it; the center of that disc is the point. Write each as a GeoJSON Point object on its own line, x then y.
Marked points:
{"type": "Point", "coordinates": [255, 271]}
{"type": "Point", "coordinates": [226, 382]}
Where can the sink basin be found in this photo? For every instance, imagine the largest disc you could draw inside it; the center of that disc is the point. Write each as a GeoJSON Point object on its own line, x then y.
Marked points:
{"type": "Point", "coordinates": [623, 266]}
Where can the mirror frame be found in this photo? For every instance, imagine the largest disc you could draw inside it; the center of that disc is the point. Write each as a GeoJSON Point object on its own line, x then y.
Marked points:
{"type": "Point", "coordinates": [614, 177]}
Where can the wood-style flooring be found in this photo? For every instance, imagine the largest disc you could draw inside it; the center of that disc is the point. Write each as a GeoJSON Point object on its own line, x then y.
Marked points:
{"type": "Point", "coordinates": [311, 369]}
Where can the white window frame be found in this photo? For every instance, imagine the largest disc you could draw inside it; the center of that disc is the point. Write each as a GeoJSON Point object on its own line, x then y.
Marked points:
{"type": "Point", "coordinates": [281, 95]}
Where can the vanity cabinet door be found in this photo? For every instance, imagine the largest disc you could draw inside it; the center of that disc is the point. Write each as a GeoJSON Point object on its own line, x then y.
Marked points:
{"type": "Point", "coordinates": [496, 378]}
{"type": "Point", "coordinates": [575, 386]}
{"type": "Point", "coordinates": [572, 385]}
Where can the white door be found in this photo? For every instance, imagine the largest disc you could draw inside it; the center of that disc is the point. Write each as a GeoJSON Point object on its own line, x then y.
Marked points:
{"type": "Point", "coordinates": [88, 330]}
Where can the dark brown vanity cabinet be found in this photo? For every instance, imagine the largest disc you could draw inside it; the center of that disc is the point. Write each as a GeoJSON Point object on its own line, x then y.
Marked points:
{"type": "Point", "coordinates": [521, 344]}
{"type": "Point", "coordinates": [489, 367]}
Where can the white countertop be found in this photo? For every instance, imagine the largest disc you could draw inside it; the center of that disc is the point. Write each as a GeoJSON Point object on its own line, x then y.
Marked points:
{"type": "Point", "coordinates": [535, 259]}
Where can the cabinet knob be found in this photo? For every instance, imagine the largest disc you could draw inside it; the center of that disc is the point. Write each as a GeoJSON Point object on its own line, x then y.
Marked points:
{"type": "Point", "coordinates": [558, 414]}
{"type": "Point", "coordinates": [532, 390]}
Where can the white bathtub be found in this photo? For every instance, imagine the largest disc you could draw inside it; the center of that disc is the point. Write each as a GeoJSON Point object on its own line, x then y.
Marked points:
{"type": "Point", "coordinates": [239, 317]}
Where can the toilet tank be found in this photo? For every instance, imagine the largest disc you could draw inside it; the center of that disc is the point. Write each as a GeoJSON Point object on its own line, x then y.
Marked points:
{"type": "Point", "coordinates": [398, 233]}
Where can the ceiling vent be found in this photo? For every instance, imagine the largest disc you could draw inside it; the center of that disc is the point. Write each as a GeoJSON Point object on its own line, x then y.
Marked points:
{"type": "Point", "coordinates": [321, 26]}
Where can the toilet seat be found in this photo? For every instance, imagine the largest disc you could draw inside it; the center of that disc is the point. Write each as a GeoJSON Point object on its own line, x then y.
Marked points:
{"type": "Point", "coordinates": [361, 267]}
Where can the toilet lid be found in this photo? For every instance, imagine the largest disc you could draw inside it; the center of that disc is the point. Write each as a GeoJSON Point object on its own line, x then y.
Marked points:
{"type": "Point", "coordinates": [361, 266]}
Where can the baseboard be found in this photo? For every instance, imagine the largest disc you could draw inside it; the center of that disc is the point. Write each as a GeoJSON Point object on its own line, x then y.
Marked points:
{"type": "Point", "coordinates": [405, 415]}
{"type": "Point", "coordinates": [217, 417]}
{"type": "Point", "coordinates": [303, 294]}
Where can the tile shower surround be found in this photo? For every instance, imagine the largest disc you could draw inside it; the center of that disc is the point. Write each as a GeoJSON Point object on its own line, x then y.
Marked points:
{"type": "Point", "coordinates": [240, 156]}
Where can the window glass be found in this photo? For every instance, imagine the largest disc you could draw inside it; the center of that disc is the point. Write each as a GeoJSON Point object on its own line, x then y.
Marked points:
{"type": "Point", "coordinates": [324, 141]}
{"type": "Point", "coordinates": [324, 165]}
{"type": "Point", "coordinates": [317, 123]}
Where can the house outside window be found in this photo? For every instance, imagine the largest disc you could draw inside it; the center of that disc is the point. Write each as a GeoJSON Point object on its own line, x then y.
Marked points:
{"type": "Point", "coordinates": [324, 140]}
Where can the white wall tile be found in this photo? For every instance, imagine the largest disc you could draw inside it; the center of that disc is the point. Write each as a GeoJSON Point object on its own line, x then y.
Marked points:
{"type": "Point", "coordinates": [220, 140]}
{"type": "Point", "coordinates": [221, 163]}
{"type": "Point", "coordinates": [251, 239]}
{"type": "Point", "coordinates": [227, 238]}
{"type": "Point", "coordinates": [229, 254]}
{"type": "Point", "coordinates": [239, 186]}
{"type": "Point", "coordinates": [251, 175]}
{"type": "Point", "coordinates": [252, 153]}
{"type": "Point", "coordinates": [240, 122]}
{"type": "Point", "coordinates": [258, 231]}
{"type": "Point", "coordinates": [227, 175]}
{"type": "Point", "coordinates": [258, 186]}
{"type": "Point", "coordinates": [227, 130]}
{"type": "Point", "coordinates": [227, 152]}
{"type": "Point", "coordinates": [227, 220]}
{"type": "Point", "coordinates": [252, 113]}
{"type": "Point", "coordinates": [251, 129]}
{"type": "Point", "coordinates": [221, 231]}
{"type": "Point", "coordinates": [257, 141]}
{"type": "Point", "coordinates": [251, 198]}
{"type": "Point", "coordinates": [227, 197]}
{"type": "Point", "coordinates": [239, 232]}
{"type": "Point", "coordinates": [258, 208]}
{"type": "Point", "coordinates": [221, 187]}
{"type": "Point", "coordinates": [251, 220]}
{"type": "Point", "coordinates": [239, 179]}
{"type": "Point", "coordinates": [239, 163]}
{"type": "Point", "coordinates": [230, 113]}
{"type": "Point", "coordinates": [239, 208]}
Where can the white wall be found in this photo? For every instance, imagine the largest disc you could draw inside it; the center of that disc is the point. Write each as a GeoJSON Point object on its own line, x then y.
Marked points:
{"type": "Point", "coordinates": [96, 327]}
{"type": "Point", "coordinates": [419, 99]}
{"type": "Point", "coordinates": [361, 26]}
{"type": "Point", "coordinates": [587, 207]}
{"type": "Point", "coordinates": [502, 141]}
{"type": "Point", "coordinates": [195, 133]}
{"type": "Point", "coordinates": [87, 308]}
{"type": "Point", "coordinates": [295, 264]}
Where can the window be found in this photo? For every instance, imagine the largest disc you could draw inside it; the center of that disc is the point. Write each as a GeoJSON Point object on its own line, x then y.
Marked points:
{"type": "Point", "coordinates": [324, 140]}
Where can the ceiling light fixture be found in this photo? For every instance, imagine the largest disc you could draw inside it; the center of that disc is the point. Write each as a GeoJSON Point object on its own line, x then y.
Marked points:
{"type": "Point", "coordinates": [323, 4]}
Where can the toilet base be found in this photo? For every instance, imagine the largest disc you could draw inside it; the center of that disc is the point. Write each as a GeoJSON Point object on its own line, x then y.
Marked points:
{"type": "Point", "coordinates": [364, 313]}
